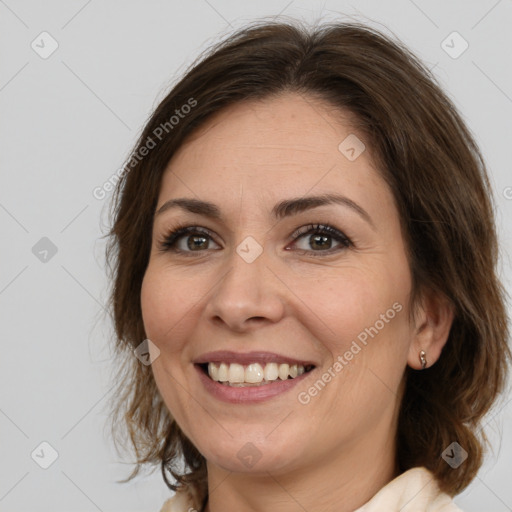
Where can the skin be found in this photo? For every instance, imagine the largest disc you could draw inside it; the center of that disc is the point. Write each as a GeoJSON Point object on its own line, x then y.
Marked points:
{"type": "Point", "coordinates": [337, 451]}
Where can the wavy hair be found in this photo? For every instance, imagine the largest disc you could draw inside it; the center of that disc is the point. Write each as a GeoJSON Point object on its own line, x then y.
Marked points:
{"type": "Point", "coordinates": [436, 173]}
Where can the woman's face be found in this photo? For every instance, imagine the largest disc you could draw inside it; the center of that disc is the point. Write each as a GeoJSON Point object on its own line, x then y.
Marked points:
{"type": "Point", "coordinates": [256, 284]}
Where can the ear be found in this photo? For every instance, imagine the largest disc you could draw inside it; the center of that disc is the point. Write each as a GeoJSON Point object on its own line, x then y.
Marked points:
{"type": "Point", "coordinates": [432, 323]}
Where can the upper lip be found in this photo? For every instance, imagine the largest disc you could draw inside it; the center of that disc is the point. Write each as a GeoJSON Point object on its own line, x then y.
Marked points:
{"type": "Point", "coordinates": [228, 356]}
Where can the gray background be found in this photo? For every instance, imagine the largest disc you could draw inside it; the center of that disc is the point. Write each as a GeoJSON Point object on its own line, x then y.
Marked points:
{"type": "Point", "coordinates": [67, 123]}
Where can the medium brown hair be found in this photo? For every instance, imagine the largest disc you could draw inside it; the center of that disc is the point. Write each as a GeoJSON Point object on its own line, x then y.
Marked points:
{"type": "Point", "coordinates": [438, 178]}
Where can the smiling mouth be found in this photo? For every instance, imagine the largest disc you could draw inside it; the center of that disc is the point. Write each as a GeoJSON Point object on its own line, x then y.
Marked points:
{"type": "Point", "coordinates": [254, 374]}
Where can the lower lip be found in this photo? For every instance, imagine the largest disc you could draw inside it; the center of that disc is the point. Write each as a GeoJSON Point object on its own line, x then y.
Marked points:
{"type": "Point", "coordinates": [249, 394]}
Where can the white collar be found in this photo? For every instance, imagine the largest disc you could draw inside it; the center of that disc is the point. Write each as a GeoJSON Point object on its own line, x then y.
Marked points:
{"type": "Point", "coordinates": [415, 490]}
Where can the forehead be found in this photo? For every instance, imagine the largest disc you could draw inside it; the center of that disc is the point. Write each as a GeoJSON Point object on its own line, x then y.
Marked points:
{"type": "Point", "coordinates": [286, 145]}
{"type": "Point", "coordinates": [287, 127]}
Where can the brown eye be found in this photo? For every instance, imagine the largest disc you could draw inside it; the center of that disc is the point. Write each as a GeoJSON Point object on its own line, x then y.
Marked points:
{"type": "Point", "coordinates": [320, 239]}
{"type": "Point", "coordinates": [196, 242]}
{"type": "Point", "coordinates": [187, 239]}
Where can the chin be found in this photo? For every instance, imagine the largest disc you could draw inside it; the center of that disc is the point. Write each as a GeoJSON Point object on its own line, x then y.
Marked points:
{"type": "Point", "coordinates": [241, 455]}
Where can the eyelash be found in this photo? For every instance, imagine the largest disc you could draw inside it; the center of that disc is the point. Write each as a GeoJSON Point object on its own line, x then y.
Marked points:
{"type": "Point", "coordinates": [168, 242]}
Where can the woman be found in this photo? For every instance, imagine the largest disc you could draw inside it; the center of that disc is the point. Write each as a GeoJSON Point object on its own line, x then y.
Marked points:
{"type": "Point", "coordinates": [303, 251]}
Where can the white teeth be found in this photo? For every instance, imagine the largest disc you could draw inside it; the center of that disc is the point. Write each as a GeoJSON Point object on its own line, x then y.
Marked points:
{"type": "Point", "coordinates": [223, 372]}
{"type": "Point", "coordinates": [284, 371]}
{"type": "Point", "coordinates": [270, 372]}
{"type": "Point", "coordinates": [253, 374]}
{"type": "Point", "coordinates": [213, 370]}
{"type": "Point", "coordinates": [236, 373]}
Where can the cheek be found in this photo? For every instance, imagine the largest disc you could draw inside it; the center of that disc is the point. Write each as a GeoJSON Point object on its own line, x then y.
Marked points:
{"type": "Point", "coordinates": [166, 304]}
{"type": "Point", "coordinates": [167, 312]}
{"type": "Point", "coordinates": [345, 306]}
{"type": "Point", "coordinates": [360, 313]}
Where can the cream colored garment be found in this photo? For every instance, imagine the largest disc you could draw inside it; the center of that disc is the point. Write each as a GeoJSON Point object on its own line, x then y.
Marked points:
{"type": "Point", "coordinates": [416, 490]}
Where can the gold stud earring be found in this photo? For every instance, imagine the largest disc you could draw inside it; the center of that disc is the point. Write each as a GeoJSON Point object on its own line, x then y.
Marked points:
{"type": "Point", "coordinates": [423, 359]}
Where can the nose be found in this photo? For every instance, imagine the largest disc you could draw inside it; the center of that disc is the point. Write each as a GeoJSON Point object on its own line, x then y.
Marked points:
{"type": "Point", "coordinates": [249, 295]}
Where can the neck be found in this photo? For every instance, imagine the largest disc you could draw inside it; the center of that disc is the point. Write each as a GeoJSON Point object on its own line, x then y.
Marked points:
{"type": "Point", "coordinates": [345, 480]}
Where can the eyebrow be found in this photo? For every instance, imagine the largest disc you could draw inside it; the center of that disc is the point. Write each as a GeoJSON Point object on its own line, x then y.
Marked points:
{"type": "Point", "coordinates": [281, 210]}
